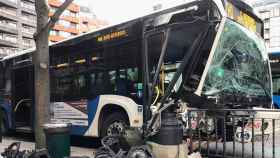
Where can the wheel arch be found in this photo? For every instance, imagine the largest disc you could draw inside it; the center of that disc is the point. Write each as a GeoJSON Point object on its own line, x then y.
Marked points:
{"type": "Point", "coordinates": [126, 104]}
{"type": "Point", "coordinates": [110, 109]}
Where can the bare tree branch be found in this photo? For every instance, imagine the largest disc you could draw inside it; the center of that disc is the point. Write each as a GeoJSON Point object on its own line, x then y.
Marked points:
{"type": "Point", "coordinates": [55, 17]}
{"type": "Point", "coordinates": [57, 14]}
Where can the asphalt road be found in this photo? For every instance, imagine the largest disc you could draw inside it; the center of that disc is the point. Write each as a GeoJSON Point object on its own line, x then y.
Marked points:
{"type": "Point", "coordinates": [80, 146]}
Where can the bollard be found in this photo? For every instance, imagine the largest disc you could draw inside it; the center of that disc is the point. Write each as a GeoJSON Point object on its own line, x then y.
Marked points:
{"type": "Point", "coordinates": [58, 140]}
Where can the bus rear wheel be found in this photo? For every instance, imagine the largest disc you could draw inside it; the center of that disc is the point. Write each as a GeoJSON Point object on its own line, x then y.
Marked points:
{"type": "Point", "coordinates": [114, 125]}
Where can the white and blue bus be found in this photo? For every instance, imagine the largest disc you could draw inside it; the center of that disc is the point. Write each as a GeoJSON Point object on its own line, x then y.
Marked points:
{"type": "Point", "coordinates": [105, 80]}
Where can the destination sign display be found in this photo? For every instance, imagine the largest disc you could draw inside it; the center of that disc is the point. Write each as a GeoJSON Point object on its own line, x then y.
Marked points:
{"type": "Point", "coordinates": [112, 35]}
{"type": "Point", "coordinates": [241, 17]}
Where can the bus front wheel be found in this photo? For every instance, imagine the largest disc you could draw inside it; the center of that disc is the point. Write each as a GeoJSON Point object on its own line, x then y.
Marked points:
{"type": "Point", "coordinates": [114, 125]}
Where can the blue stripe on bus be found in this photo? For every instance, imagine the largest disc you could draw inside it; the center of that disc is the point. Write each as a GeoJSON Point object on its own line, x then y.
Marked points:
{"type": "Point", "coordinates": [92, 108]}
{"type": "Point", "coordinates": [78, 130]}
{"type": "Point", "coordinates": [276, 101]}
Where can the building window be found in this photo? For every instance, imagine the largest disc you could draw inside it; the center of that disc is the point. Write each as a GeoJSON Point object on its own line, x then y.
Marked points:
{"type": "Point", "coordinates": [28, 42]}
{"type": "Point", "coordinates": [14, 1]}
{"type": "Point", "coordinates": [63, 23]}
{"type": "Point", "coordinates": [66, 13]}
{"type": "Point", "coordinates": [276, 12]}
{"type": "Point", "coordinates": [8, 10]}
{"type": "Point", "coordinates": [8, 37]}
{"type": "Point", "coordinates": [267, 43]}
{"type": "Point", "coordinates": [52, 9]}
{"type": "Point", "coordinates": [27, 5]}
{"type": "Point", "coordinates": [8, 23]}
{"type": "Point", "coordinates": [7, 51]}
{"type": "Point", "coordinates": [28, 29]}
{"type": "Point", "coordinates": [73, 25]}
{"type": "Point", "coordinates": [65, 34]}
{"type": "Point", "coordinates": [28, 17]}
{"type": "Point", "coordinates": [73, 14]}
{"type": "Point", "coordinates": [54, 33]}
{"type": "Point", "coordinates": [266, 20]}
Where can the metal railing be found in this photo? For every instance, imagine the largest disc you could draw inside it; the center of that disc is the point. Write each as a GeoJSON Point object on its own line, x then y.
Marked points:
{"type": "Point", "coordinates": [234, 133]}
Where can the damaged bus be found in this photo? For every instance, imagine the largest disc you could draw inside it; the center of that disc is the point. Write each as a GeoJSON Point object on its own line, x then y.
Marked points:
{"type": "Point", "coordinates": [202, 54]}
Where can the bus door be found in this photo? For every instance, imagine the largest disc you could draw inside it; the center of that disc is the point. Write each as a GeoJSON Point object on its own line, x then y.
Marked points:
{"type": "Point", "coordinates": [22, 97]}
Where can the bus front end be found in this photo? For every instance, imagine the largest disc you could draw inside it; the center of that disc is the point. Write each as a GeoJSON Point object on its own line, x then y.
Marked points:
{"type": "Point", "coordinates": [213, 61]}
{"type": "Point", "coordinates": [237, 73]}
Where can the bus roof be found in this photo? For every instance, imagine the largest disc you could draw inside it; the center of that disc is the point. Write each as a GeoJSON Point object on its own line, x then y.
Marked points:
{"type": "Point", "coordinates": [109, 28]}
{"type": "Point", "coordinates": [148, 15]}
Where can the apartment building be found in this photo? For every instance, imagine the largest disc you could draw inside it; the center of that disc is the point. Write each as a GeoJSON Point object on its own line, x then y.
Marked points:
{"type": "Point", "coordinates": [89, 21]}
{"type": "Point", "coordinates": [269, 11]}
{"type": "Point", "coordinates": [18, 24]}
{"type": "Point", "coordinates": [68, 23]}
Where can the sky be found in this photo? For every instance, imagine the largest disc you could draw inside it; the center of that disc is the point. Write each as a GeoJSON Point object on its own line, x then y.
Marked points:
{"type": "Point", "coordinates": [117, 11]}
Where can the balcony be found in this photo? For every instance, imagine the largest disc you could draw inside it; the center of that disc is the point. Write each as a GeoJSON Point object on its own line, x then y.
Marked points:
{"type": "Point", "coordinates": [27, 32]}
{"type": "Point", "coordinates": [11, 3]}
{"type": "Point", "coordinates": [29, 8]}
{"type": "Point", "coordinates": [27, 43]}
{"type": "Point", "coordinates": [32, 1]}
{"type": "Point", "coordinates": [56, 38]}
{"type": "Point", "coordinates": [56, 3]}
{"type": "Point", "coordinates": [7, 51]}
{"type": "Point", "coordinates": [7, 43]}
{"type": "Point", "coordinates": [28, 21]}
{"type": "Point", "coordinates": [9, 40]}
{"type": "Point", "coordinates": [2, 55]}
{"type": "Point", "coordinates": [8, 14]}
{"type": "Point", "coordinates": [67, 18]}
{"type": "Point", "coordinates": [65, 29]}
{"type": "Point", "coordinates": [8, 29]}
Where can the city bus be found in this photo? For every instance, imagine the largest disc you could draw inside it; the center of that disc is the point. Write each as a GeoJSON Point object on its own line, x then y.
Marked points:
{"type": "Point", "coordinates": [203, 54]}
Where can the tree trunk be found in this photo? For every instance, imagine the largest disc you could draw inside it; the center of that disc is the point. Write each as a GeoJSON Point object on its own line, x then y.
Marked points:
{"type": "Point", "coordinates": [41, 73]}
{"type": "Point", "coordinates": [41, 66]}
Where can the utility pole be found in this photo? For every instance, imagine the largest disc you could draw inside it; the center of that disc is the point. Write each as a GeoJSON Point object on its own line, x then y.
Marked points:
{"type": "Point", "coordinates": [41, 66]}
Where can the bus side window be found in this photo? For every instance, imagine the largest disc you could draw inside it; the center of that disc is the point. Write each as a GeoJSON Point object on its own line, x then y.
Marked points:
{"type": "Point", "coordinates": [80, 91]}
{"type": "Point", "coordinates": [155, 43]}
{"type": "Point", "coordinates": [133, 81]}
{"type": "Point", "coordinates": [121, 83]}
{"type": "Point", "coordinates": [106, 83]}
{"type": "Point", "coordinates": [92, 86]}
{"type": "Point", "coordinates": [113, 77]}
{"type": "Point", "coordinates": [98, 87]}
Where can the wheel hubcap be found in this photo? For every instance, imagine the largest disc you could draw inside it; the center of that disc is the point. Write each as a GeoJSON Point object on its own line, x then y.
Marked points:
{"type": "Point", "coordinates": [116, 128]}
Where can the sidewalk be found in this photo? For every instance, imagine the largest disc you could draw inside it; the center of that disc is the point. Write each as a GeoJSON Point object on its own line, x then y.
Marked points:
{"type": "Point", "coordinates": [27, 145]}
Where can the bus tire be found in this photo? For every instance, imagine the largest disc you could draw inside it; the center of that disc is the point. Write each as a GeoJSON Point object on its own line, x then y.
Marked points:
{"type": "Point", "coordinates": [114, 124]}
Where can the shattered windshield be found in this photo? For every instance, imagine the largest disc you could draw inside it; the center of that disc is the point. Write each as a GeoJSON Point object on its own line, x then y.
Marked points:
{"type": "Point", "coordinates": [239, 65]}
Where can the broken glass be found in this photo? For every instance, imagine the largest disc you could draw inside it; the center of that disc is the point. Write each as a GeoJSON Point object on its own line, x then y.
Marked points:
{"type": "Point", "coordinates": [239, 64]}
